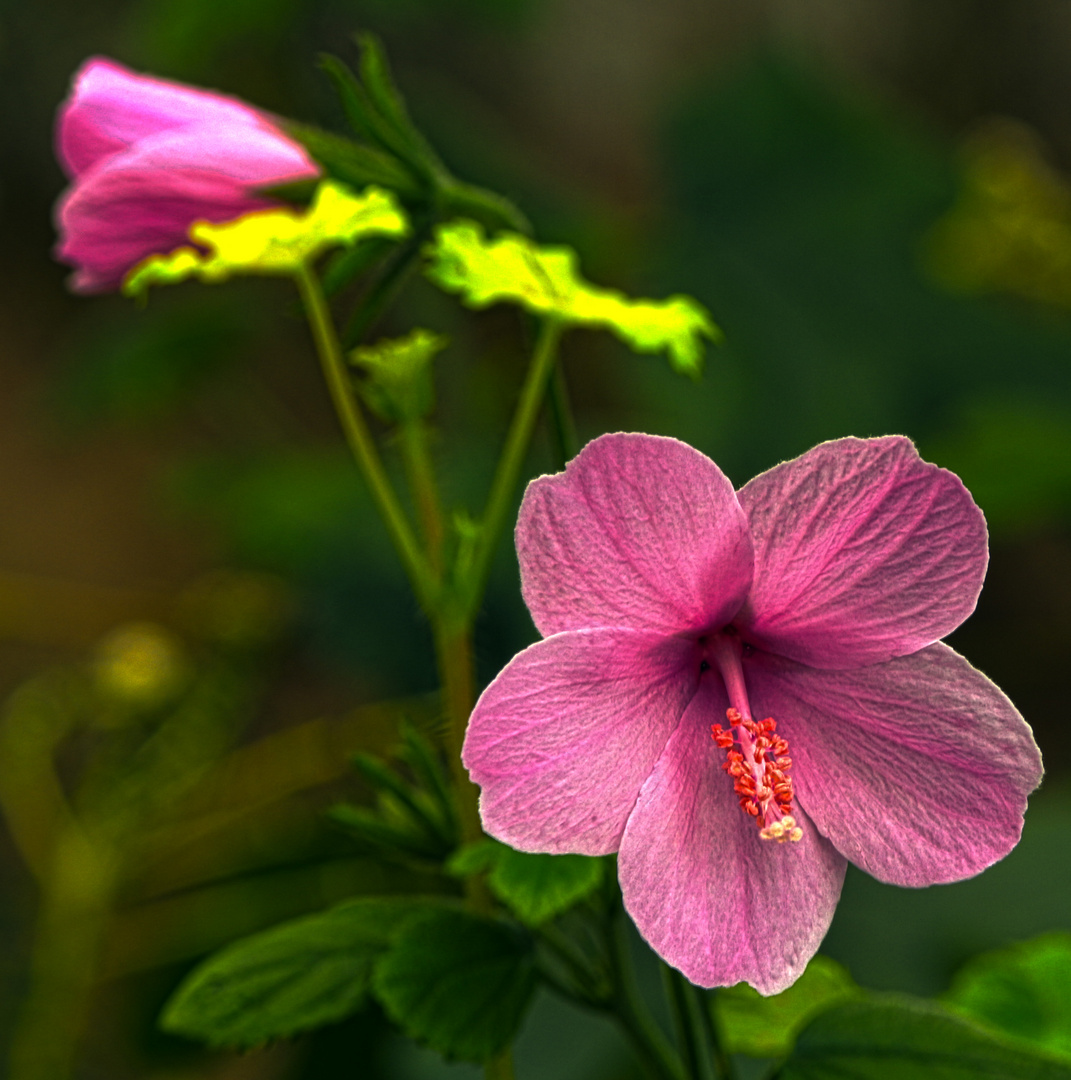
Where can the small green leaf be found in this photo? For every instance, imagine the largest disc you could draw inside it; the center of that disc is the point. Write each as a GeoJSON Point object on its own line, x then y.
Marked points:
{"type": "Point", "coordinates": [545, 280]}
{"type": "Point", "coordinates": [299, 975]}
{"type": "Point", "coordinates": [767, 1026]}
{"type": "Point", "coordinates": [1023, 992]}
{"type": "Point", "coordinates": [399, 385]}
{"type": "Point", "coordinates": [273, 241]}
{"type": "Point", "coordinates": [893, 1038]}
{"type": "Point", "coordinates": [458, 983]}
{"type": "Point", "coordinates": [534, 887]}
{"type": "Point", "coordinates": [354, 163]}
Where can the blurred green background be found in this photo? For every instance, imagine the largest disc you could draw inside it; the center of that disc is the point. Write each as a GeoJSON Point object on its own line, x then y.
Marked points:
{"type": "Point", "coordinates": [869, 198]}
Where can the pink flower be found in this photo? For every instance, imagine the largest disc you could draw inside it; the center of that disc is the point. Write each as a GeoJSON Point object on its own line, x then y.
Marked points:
{"type": "Point", "coordinates": [149, 157]}
{"type": "Point", "coordinates": [674, 608]}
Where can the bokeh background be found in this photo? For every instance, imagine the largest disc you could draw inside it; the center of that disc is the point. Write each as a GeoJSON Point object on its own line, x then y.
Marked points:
{"type": "Point", "coordinates": [870, 198]}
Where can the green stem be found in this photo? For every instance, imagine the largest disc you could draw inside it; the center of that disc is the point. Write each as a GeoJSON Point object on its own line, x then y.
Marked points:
{"type": "Point", "coordinates": [453, 646]}
{"type": "Point", "coordinates": [74, 915]}
{"type": "Point", "coordinates": [685, 1020]}
{"type": "Point", "coordinates": [723, 1063]}
{"type": "Point", "coordinates": [413, 443]}
{"type": "Point", "coordinates": [566, 444]}
{"type": "Point", "coordinates": [360, 439]}
{"type": "Point", "coordinates": [386, 288]}
{"type": "Point", "coordinates": [506, 476]}
{"type": "Point", "coordinates": [460, 198]}
{"type": "Point", "coordinates": [588, 988]}
{"type": "Point", "coordinates": [453, 649]}
{"type": "Point", "coordinates": [629, 1009]}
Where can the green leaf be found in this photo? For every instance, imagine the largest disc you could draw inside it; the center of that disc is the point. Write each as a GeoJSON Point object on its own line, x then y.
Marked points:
{"type": "Point", "coordinates": [891, 1038]}
{"type": "Point", "coordinates": [767, 1026]}
{"type": "Point", "coordinates": [545, 280]}
{"type": "Point", "coordinates": [355, 164]}
{"type": "Point", "coordinates": [299, 975]}
{"type": "Point", "coordinates": [398, 386]}
{"type": "Point", "coordinates": [388, 102]}
{"type": "Point", "coordinates": [1023, 992]}
{"type": "Point", "coordinates": [396, 841]}
{"type": "Point", "coordinates": [458, 983]}
{"type": "Point", "coordinates": [273, 241]}
{"type": "Point", "coordinates": [534, 887]}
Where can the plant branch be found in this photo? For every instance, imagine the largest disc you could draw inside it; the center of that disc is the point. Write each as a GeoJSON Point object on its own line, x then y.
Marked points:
{"type": "Point", "coordinates": [685, 1021]}
{"type": "Point", "coordinates": [360, 439]}
{"type": "Point", "coordinates": [413, 444]}
{"type": "Point", "coordinates": [504, 484]}
{"type": "Point", "coordinates": [566, 444]}
{"type": "Point", "coordinates": [630, 1011]}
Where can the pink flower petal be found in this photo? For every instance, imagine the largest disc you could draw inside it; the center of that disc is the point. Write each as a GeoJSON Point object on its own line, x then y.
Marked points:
{"type": "Point", "coordinates": [639, 531]}
{"type": "Point", "coordinates": [862, 552]}
{"type": "Point", "coordinates": [917, 769]}
{"type": "Point", "coordinates": [142, 201]}
{"type": "Point", "coordinates": [562, 740]}
{"type": "Point", "coordinates": [112, 108]}
{"type": "Point", "coordinates": [705, 891]}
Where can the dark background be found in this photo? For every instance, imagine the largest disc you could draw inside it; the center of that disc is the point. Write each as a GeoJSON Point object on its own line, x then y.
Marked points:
{"type": "Point", "coordinates": [782, 162]}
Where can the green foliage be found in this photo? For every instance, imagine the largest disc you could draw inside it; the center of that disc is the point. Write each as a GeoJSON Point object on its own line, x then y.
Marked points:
{"type": "Point", "coordinates": [398, 386]}
{"type": "Point", "coordinates": [388, 141]}
{"type": "Point", "coordinates": [300, 975]}
{"type": "Point", "coordinates": [458, 983]}
{"type": "Point", "coordinates": [274, 241]}
{"type": "Point", "coordinates": [534, 887]}
{"type": "Point", "coordinates": [413, 819]}
{"type": "Point", "coordinates": [889, 1038]}
{"type": "Point", "coordinates": [545, 280]}
{"type": "Point", "coordinates": [767, 1026]}
{"type": "Point", "coordinates": [1023, 992]}
{"type": "Point", "coordinates": [354, 163]}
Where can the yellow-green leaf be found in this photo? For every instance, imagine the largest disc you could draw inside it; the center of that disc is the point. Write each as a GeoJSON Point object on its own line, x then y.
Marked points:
{"type": "Point", "coordinates": [274, 241]}
{"type": "Point", "coordinates": [546, 280]}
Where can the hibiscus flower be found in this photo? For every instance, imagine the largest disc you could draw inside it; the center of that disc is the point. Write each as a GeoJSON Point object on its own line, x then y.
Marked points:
{"type": "Point", "coordinates": [147, 158]}
{"type": "Point", "coordinates": [741, 692]}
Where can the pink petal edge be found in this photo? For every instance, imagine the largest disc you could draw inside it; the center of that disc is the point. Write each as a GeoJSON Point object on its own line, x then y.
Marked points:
{"type": "Point", "coordinates": [917, 770]}
{"type": "Point", "coordinates": [708, 895]}
{"type": "Point", "coordinates": [563, 738]}
{"type": "Point", "coordinates": [111, 108]}
{"type": "Point", "coordinates": [863, 552]}
{"type": "Point", "coordinates": [639, 531]}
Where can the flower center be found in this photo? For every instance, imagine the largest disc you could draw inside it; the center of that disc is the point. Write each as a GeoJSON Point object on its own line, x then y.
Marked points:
{"type": "Point", "coordinates": [757, 757]}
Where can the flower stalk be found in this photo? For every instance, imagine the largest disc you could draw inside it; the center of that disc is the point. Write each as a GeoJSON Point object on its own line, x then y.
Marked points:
{"type": "Point", "coordinates": [507, 474]}
{"type": "Point", "coordinates": [360, 439]}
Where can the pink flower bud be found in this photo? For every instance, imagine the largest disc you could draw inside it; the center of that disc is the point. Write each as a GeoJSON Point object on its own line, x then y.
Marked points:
{"type": "Point", "coordinates": [147, 158]}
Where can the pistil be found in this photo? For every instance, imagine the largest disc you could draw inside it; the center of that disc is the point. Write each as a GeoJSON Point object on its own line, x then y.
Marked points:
{"type": "Point", "coordinates": [760, 766]}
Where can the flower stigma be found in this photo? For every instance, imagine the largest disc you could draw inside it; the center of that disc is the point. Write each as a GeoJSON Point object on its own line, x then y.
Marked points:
{"type": "Point", "coordinates": [756, 756]}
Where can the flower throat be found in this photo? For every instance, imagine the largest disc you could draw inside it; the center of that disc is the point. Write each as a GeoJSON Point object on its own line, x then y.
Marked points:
{"type": "Point", "coordinates": [757, 757]}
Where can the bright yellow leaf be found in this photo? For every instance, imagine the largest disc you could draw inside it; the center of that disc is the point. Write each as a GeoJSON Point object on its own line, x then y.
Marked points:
{"type": "Point", "coordinates": [546, 280]}
{"type": "Point", "coordinates": [274, 241]}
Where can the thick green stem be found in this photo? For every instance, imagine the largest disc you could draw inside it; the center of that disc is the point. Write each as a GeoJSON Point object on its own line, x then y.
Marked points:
{"type": "Point", "coordinates": [76, 906]}
{"type": "Point", "coordinates": [566, 443]}
{"type": "Point", "coordinates": [360, 439]}
{"type": "Point", "coordinates": [384, 291]}
{"type": "Point", "coordinates": [413, 443]}
{"type": "Point", "coordinates": [686, 1021]}
{"type": "Point", "coordinates": [723, 1063]}
{"type": "Point", "coordinates": [636, 1022]}
{"type": "Point", "coordinates": [453, 646]}
{"type": "Point", "coordinates": [506, 476]}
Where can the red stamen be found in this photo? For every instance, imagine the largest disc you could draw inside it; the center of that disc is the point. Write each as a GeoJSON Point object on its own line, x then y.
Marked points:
{"type": "Point", "coordinates": [759, 771]}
